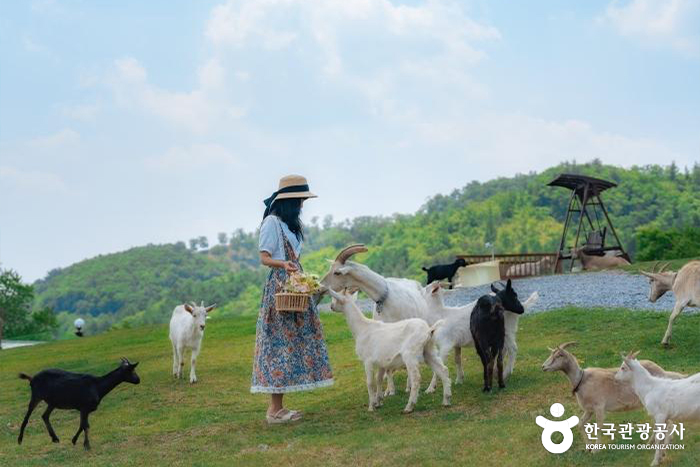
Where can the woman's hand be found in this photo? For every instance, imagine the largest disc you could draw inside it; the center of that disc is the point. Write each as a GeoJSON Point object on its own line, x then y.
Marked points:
{"type": "Point", "coordinates": [267, 260]}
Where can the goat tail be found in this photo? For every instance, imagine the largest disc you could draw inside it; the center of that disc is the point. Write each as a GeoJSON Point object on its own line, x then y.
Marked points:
{"type": "Point", "coordinates": [424, 268]}
{"type": "Point", "coordinates": [435, 326]}
{"type": "Point", "coordinates": [25, 376]}
{"type": "Point", "coordinates": [534, 297]}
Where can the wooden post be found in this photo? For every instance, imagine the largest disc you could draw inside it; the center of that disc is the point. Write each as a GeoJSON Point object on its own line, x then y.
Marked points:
{"type": "Point", "coordinates": [580, 222]}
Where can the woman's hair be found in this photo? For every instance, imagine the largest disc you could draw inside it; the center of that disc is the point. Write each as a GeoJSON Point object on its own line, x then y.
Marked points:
{"type": "Point", "coordinates": [289, 210]}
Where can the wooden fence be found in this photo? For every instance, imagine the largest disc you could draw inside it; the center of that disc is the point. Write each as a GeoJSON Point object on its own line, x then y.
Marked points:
{"type": "Point", "coordinates": [518, 265]}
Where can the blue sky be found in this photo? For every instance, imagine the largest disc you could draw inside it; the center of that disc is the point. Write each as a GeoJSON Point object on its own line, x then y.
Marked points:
{"type": "Point", "coordinates": [126, 122]}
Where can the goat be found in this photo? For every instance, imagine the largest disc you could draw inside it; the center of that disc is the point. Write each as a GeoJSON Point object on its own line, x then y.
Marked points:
{"type": "Point", "coordinates": [685, 285]}
{"type": "Point", "coordinates": [186, 331]}
{"type": "Point", "coordinates": [456, 333]}
{"type": "Point", "coordinates": [389, 346]}
{"type": "Point", "coordinates": [592, 262]}
{"type": "Point", "coordinates": [487, 326]}
{"type": "Point", "coordinates": [396, 299]}
{"type": "Point", "coordinates": [596, 390]}
{"type": "Point", "coordinates": [444, 271]}
{"type": "Point", "coordinates": [666, 400]}
{"type": "Point", "coordinates": [78, 391]}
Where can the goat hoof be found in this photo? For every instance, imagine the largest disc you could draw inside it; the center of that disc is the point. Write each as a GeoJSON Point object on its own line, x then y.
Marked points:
{"type": "Point", "coordinates": [486, 389]}
{"type": "Point", "coordinates": [55, 440]}
{"type": "Point", "coordinates": [408, 410]}
{"type": "Point", "coordinates": [501, 386]}
{"type": "Point", "coordinates": [430, 390]}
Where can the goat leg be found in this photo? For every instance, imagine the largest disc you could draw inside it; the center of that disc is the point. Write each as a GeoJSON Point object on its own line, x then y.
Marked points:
{"type": "Point", "coordinates": [45, 416]}
{"type": "Point", "coordinates": [33, 402]}
{"type": "Point", "coordinates": [499, 367]}
{"type": "Point", "coordinates": [677, 308]}
{"type": "Point", "coordinates": [490, 372]}
{"type": "Point", "coordinates": [86, 428]}
{"type": "Point", "coordinates": [458, 365]}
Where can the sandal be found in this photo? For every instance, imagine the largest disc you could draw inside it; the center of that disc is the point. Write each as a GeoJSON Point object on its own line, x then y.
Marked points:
{"type": "Point", "coordinates": [283, 416]}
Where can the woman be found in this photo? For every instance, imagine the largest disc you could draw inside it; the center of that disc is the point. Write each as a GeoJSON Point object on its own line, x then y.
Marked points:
{"type": "Point", "coordinates": [290, 353]}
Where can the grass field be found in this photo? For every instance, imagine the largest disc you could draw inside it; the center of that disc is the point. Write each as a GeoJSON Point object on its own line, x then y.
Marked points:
{"type": "Point", "coordinates": [218, 422]}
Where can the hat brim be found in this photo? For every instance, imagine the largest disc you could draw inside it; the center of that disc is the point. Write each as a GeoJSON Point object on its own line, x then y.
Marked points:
{"type": "Point", "coordinates": [300, 194]}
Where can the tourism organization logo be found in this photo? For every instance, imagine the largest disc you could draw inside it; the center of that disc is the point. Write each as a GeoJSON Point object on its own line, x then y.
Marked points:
{"type": "Point", "coordinates": [657, 436]}
{"type": "Point", "coordinates": [549, 427]}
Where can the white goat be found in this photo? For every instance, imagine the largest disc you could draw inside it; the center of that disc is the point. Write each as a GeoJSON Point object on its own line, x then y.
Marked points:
{"type": "Point", "coordinates": [666, 400]}
{"type": "Point", "coordinates": [396, 299]}
{"type": "Point", "coordinates": [596, 390]}
{"type": "Point", "coordinates": [455, 333]}
{"type": "Point", "coordinates": [186, 331]}
{"type": "Point", "coordinates": [685, 285]}
{"type": "Point", "coordinates": [390, 346]}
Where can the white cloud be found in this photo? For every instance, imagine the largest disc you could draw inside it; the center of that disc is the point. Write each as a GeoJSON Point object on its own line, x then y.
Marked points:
{"type": "Point", "coordinates": [195, 110]}
{"type": "Point", "coordinates": [381, 51]}
{"type": "Point", "coordinates": [60, 139]}
{"type": "Point", "coordinates": [671, 23]}
{"type": "Point", "coordinates": [31, 181]}
{"type": "Point", "coordinates": [521, 143]}
{"type": "Point", "coordinates": [81, 112]}
{"type": "Point", "coordinates": [191, 158]}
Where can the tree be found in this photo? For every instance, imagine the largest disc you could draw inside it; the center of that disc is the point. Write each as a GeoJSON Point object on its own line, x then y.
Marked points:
{"type": "Point", "coordinates": [15, 302]}
{"type": "Point", "coordinates": [223, 238]}
{"type": "Point", "coordinates": [203, 242]}
{"type": "Point", "coordinates": [194, 242]}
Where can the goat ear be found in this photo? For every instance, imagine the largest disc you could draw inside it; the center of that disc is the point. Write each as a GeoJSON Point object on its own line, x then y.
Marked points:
{"type": "Point", "coordinates": [434, 287]}
{"type": "Point", "coordinates": [188, 308]}
{"type": "Point", "coordinates": [551, 349]}
{"type": "Point", "coordinates": [210, 307]}
{"type": "Point", "coordinates": [338, 296]}
{"type": "Point", "coordinates": [343, 270]}
{"type": "Point", "coordinates": [509, 285]}
{"type": "Point", "coordinates": [494, 289]}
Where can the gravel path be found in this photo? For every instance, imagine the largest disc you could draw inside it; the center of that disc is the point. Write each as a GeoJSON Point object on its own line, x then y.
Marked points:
{"type": "Point", "coordinates": [585, 290]}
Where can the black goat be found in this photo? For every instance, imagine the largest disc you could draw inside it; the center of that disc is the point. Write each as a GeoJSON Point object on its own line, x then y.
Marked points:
{"type": "Point", "coordinates": [444, 271]}
{"type": "Point", "coordinates": [509, 298]}
{"type": "Point", "coordinates": [78, 391]}
{"type": "Point", "coordinates": [487, 326]}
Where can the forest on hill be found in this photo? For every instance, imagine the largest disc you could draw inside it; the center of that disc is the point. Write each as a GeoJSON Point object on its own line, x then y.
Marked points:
{"type": "Point", "coordinates": [518, 214]}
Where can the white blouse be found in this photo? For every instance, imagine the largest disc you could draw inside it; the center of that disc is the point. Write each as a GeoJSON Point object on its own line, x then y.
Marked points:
{"type": "Point", "coordinates": [269, 239]}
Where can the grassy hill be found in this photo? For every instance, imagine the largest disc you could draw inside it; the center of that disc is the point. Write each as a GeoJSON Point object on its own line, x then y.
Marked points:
{"type": "Point", "coordinates": [218, 422]}
{"type": "Point", "coordinates": [517, 214]}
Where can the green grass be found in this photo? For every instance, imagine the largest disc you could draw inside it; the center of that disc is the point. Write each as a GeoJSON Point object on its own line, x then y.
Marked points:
{"type": "Point", "coordinates": [674, 265]}
{"type": "Point", "coordinates": [218, 422]}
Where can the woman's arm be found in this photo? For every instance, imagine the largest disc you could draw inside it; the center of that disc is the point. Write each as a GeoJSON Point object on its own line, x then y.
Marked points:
{"type": "Point", "coordinates": [267, 260]}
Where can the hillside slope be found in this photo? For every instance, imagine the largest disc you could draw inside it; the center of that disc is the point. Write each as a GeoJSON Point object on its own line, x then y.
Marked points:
{"type": "Point", "coordinates": [217, 422]}
{"type": "Point", "coordinates": [518, 214]}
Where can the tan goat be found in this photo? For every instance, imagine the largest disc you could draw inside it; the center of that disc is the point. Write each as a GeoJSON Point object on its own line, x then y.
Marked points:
{"type": "Point", "coordinates": [685, 285]}
{"type": "Point", "coordinates": [596, 389]}
{"type": "Point", "coordinates": [592, 262]}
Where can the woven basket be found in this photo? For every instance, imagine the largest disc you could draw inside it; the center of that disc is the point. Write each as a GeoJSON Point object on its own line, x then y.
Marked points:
{"type": "Point", "coordinates": [291, 301]}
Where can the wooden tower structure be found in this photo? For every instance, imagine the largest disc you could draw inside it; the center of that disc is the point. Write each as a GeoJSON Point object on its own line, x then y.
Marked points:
{"type": "Point", "coordinates": [587, 214]}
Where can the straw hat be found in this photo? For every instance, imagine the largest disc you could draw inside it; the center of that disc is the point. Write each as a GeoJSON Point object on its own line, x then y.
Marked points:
{"type": "Point", "coordinates": [291, 186]}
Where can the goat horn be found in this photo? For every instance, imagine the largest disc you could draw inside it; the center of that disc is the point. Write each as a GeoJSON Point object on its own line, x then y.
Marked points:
{"type": "Point", "coordinates": [567, 344]}
{"type": "Point", "coordinates": [551, 349]}
{"type": "Point", "coordinates": [648, 274]}
{"type": "Point", "coordinates": [663, 267]}
{"type": "Point", "coordinates": [349, 251]}
{"type": "Point", "coordinates": [653, 268]}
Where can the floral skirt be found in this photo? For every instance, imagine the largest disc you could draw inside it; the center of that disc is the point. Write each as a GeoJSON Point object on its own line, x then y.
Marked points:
{"type": "Point", "coordinates": [290, 352]}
